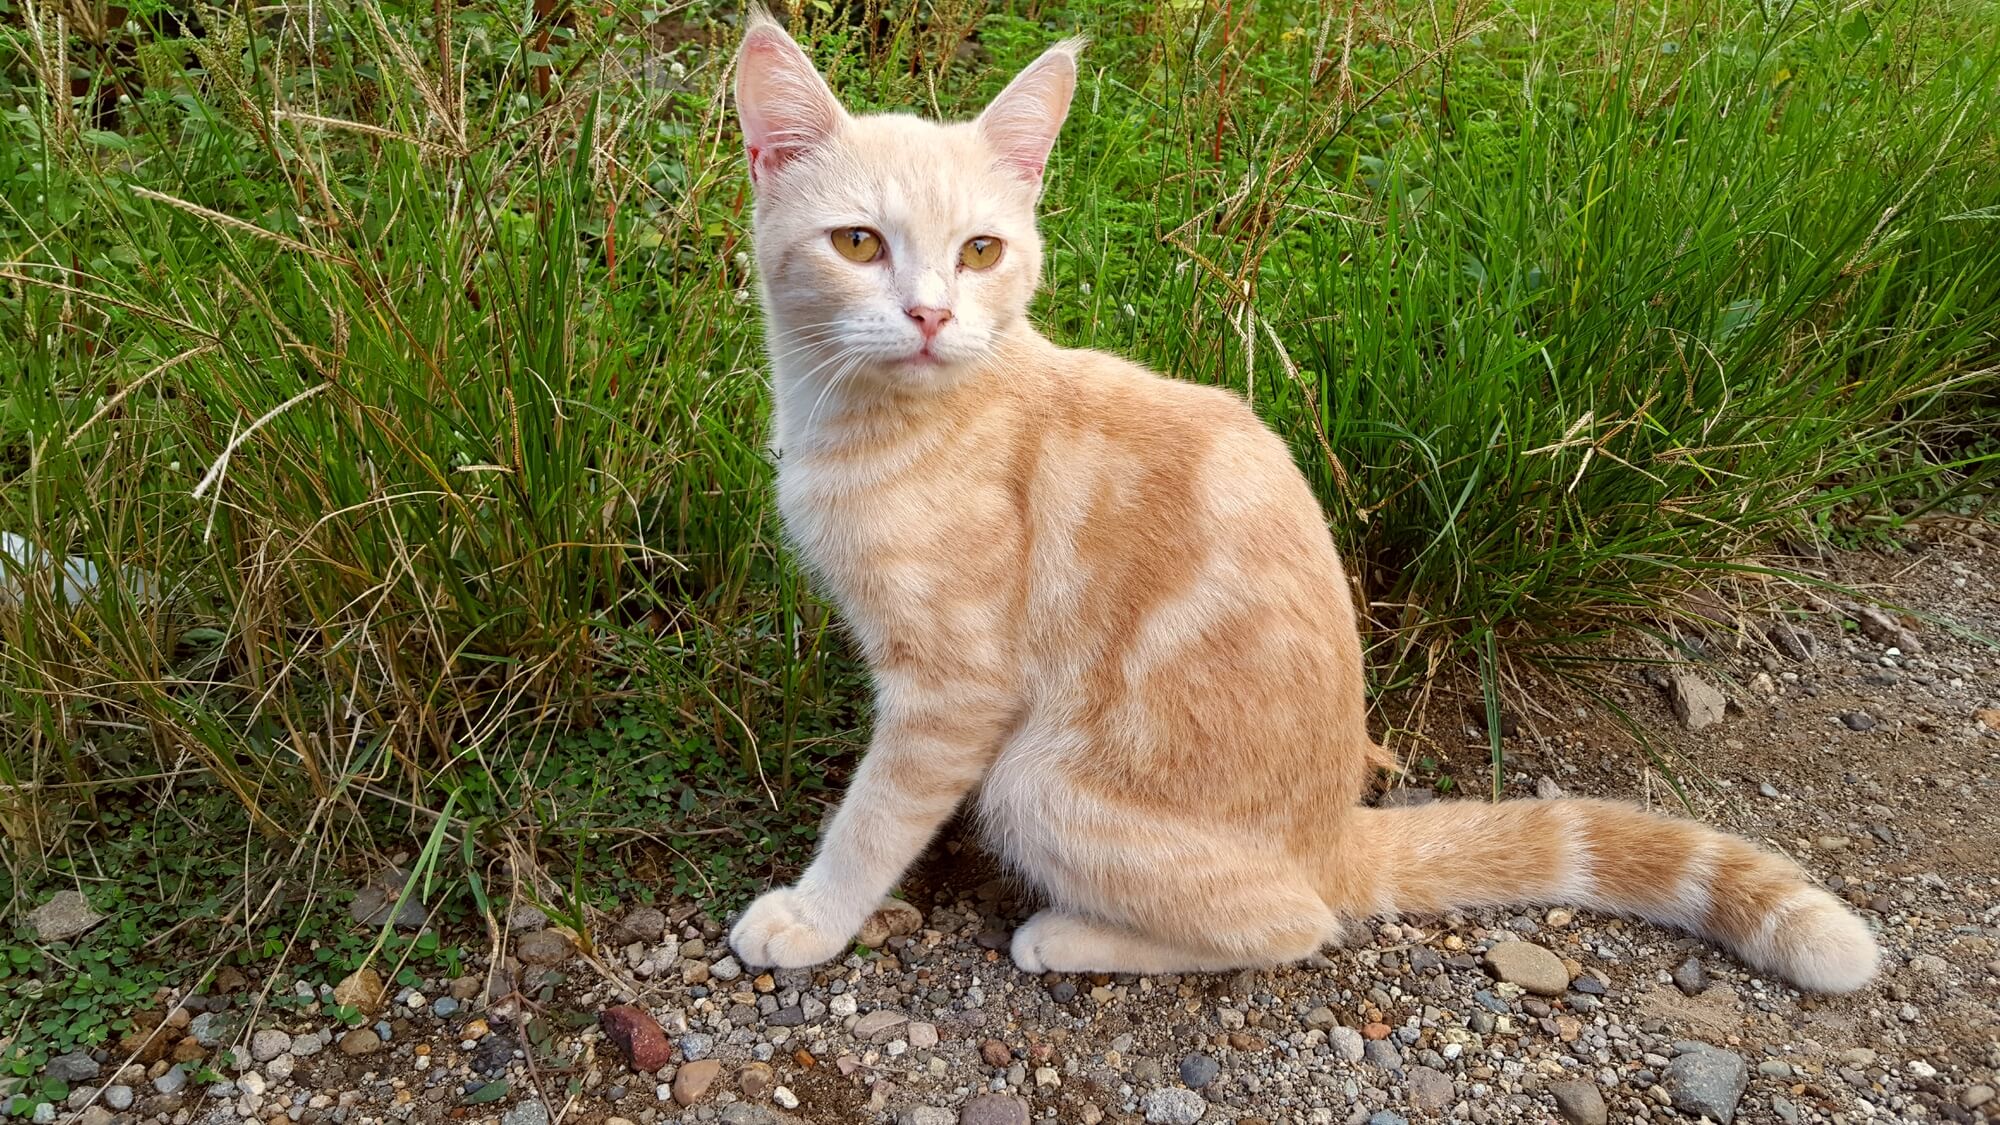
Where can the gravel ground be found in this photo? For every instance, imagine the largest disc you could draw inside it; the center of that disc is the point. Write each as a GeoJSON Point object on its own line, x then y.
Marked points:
{"type": "Point", "coordinates": [1866, 748]}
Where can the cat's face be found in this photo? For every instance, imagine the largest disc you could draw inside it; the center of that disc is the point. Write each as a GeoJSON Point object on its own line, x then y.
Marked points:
{"type": "Point", "coordinates": [889, 248]}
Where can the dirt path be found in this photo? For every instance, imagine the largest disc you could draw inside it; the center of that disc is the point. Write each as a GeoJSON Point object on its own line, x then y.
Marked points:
{"type": "Point", "coordinates": [1876, 770]}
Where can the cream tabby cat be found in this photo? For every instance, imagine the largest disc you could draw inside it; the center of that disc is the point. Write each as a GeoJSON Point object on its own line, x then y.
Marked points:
{"type": "Point", "coordinates": [1106, 606]}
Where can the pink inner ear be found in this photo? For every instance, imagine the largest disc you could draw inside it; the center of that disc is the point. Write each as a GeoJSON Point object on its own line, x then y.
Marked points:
{"type": "Point", "coordinates": [783, 104]}
{"type": "Point", "coordinates": [1024, 119]}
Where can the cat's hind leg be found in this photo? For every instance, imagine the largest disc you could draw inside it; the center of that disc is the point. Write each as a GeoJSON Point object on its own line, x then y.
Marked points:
{"type": "Point", "coordinates": [1282, 932]}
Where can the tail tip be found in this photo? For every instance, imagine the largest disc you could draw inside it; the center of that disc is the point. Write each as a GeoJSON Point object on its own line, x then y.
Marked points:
{"type": "Point", "coordinates": [1827, 949]}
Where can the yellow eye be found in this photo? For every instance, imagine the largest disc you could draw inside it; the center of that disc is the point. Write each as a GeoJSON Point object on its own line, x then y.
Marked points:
{"type": "Point", "coordinates": [857, 244]}
{"type": "Point", "coordinates": [979, 253]}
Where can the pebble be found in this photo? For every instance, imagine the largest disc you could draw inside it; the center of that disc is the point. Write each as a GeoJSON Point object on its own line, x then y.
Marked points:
{"type": "Point", "coordinates": [1346, 1043]}
{"type": "Point", "coordinates": [118, 1097]}
{"type": "Point", "coordinates": [726, 970]}
{"type": "Point", "coordinates": [922, 1036]}
{"type": "Point", "coordinates": [529, 1112]}
{"type": "Point", "coordinates": [268, 1044]}
{"type": "Point", "coordinates": [1858, 720]}
{"type": "Point", "coordinates": [77, 1066]}
{"type": "Point", "coordinates": [756, 1079]}
{"type": "Point", "coordinates": [1972, 1097]}
{"type": "Point", "coordinates": [879, 1026]}
{"type": "Point", "coordinates": [542, 947]}
{"type": "Point", "coordinates": [1695, 702]}
{"type": "Point", "coordinates": [1528, 965]}
{"type": "Point", "coordinates": [1171, 1105]}
{"type": "Point", "coordinates": [995, 1109]}
{"type": "Point", "coordinates": [1199, 1070]}
{"type": "Point", "coordinates": [693, 1079]}
{"type": "Point", "coordinates": [360, 1041]}
{"type": "Point", "coordinates": [1691, 977]}
{"type": "Point", "coordinates": [172, 1082]}
{"type": "Point", "coordinates": [1706, 1081]}
{"type": "Point", "coordinates": [1429, 1090]}
{"type": "Point", "coordinates": [1580, 1102]}
{"type": "Point", "coordinates": [784, 1097]}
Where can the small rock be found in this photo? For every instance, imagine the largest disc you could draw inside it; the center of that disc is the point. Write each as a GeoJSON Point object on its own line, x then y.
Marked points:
{"type": "Point", "coordinates": [530, 1112]}
{"type": "Point", "coordinates": [637, 1036]}
{"type": "Point", "coordinates": [1580, 1102]}
{"type": "Point", "coordinates": [172, 1082]}
{"type": "Point", "coordinates": [361, 990]}
{"type": "Point", "coordinates": [1766, 789]}
{"type": "Point", "coordinates": [926, 1115]}
{"type": "Point", "coordinates": [77, 1066]}
{"type": "Point", "coordinates": [726, 970]}
{"type": "Point", "coordinates": [693, 1079]}
{"type": "Point", "coordinates": [922, 1036]}
{"type": "Point", "coordinates": [1972, 1097]}
{"type": "Point", "coordinates": [1706, 1081]}
{"type": "Point", "coordinates": [1691, 977]}
{"type": "Point", "coordinates": [1322, 1018]}
{"type": "Point", "coordinates": [360, 1041]}
{"type": "Point", "coordinates": [995, 1053]}
{"type": "Point", "coordinates": [542, 947]}
{"type": "Point", "coordinates": [1199, 1070]}
{"type": "Point", "coordinates": [756, 1079]}
{"type": "Point", "coordinates": [1387, 1117]}
{"type": "Point", "coordinates": [268, 1044]}
{"type": "Point", "coordinates": [1171, 1105]}
{"type": "Point", "coordinates": [1885, 630]}
{"type": "Point", "coordinates": [1546, 789]}
{"type": "Point", "coordinates": [1528, 965]}
{"type": "Point", "coordinates": [879, 1026]}
{"type": "Point", "coordinates": [1791, 640]}
{"type": "Point", "coordinates": [644, 924]}
{"type": "Point", "coordinates": [1346, 1043]}
{"type": "Point", "coordinates": [1382, 1053]}
{"type": "Point", "coordinates": [1858, 721]}
{"type": "Point", "coordinates": [994, 1109]}
{"type": "Point", "coordinates": [67, 915]}
{"type": "Point", "coordinates": [785, 1098]}
{"type": "Point", "coordinates": [388, 897]}
{"type": "Point", "coordinates": [526, 918]}
{"type": "Point", "coordinates": [894, 918]}
{"type": "Point", "coordinates": [1695, 702]}
{"type": "Point", "coordinates": [1430, 1090]}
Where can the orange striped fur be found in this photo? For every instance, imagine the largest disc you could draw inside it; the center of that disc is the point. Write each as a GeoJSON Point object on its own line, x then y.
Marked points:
{"type": "Point", "coordinates": [1105, 607]}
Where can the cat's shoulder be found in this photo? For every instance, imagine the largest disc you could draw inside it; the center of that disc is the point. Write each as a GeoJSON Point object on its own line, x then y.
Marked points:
{"type": "Point", "coordinates": [1111, 381]}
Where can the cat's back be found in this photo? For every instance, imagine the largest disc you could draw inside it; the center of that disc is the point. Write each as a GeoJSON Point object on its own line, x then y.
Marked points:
{"type": "Point", "coordinates": [1156, 462]}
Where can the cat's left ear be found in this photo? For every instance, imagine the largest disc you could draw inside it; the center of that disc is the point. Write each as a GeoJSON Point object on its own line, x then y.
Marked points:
{"type": "Point", "coordinates": [1021, 124]}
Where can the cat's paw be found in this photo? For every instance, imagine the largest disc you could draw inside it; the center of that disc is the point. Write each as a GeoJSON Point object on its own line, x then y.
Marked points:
{"type": "Point", "coordinates": [779, 931]}
{"type": "Point", "coordinates": [1053, 942]}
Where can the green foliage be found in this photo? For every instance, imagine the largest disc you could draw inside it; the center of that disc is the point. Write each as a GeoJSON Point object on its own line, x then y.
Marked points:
{"type": "Point", "coordinates": [402, 381]}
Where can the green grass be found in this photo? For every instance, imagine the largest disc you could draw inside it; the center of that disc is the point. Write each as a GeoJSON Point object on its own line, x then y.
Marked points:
{"type": "Point", "coordinates": [413, 366]}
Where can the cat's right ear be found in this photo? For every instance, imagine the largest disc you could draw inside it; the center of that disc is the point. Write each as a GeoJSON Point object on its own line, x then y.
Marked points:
{"type": "Point", "coordinates": [783, 104]}
{"type": "Point", "coordinates": [1022, 122]}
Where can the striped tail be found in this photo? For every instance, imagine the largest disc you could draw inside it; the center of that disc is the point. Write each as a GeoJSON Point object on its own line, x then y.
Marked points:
{"type": "Point", "coordinates": [1617, 857]}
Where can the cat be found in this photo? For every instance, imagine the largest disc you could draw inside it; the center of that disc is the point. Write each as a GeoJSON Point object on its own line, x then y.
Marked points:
{"type": "Point", "coordinates": [1105, 605]}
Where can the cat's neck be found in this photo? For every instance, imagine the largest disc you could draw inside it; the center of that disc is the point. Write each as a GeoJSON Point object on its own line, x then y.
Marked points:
{"type": "Point", "coordinates": [816, 407]}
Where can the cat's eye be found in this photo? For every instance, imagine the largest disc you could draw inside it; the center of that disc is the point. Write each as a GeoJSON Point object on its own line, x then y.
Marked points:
{"type": "Point", "coordinates": [979, 253]}
{"type": "Point", "coordinates": [857, 244]}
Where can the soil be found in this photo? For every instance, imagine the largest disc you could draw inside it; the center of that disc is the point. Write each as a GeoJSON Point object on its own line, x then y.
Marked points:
{"type": "Point", "coordinates": [1900, 818]}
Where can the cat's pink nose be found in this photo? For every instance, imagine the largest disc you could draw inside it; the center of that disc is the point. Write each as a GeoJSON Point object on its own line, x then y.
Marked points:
{"type": "Point", "coordinates": [929, 320]}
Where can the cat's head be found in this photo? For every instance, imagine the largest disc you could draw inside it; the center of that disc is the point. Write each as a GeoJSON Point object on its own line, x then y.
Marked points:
{"type": "Point", "coordinates": [891, 248]}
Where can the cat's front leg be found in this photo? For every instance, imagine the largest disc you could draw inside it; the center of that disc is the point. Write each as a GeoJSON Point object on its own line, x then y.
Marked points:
{"type": "Point", "coordinates": [930, 748]}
